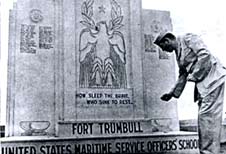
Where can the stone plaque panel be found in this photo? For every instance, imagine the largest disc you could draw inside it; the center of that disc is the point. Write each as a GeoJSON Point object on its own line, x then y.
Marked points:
{"type": "Point", "coordinates": [32, 68]}
{"type": "Point", "coordinates": [104, 103]}
{"type": "Point", "coordinates": [99, 58]}
{"type": "Point", "coordinates": [158, 68]}
{"type": "Point", "coordinates": [114, 128]}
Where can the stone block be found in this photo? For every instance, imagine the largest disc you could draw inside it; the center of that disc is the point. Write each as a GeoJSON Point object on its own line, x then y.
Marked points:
{"type": "Point", "coordinates": [167, 143]}
{"type": "Point", "coordinates": [31, 65]}
{"type": "Point", "coordinates": [158, 68]}
{"type": "Point", "coordinates": [76, 61]}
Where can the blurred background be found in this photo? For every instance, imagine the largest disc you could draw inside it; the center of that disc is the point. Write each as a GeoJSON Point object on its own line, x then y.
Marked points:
{"type": "Point", "coordinates": [203, 17]}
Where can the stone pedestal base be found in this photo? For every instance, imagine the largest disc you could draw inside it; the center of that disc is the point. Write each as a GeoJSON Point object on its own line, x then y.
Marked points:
{"type": "Point", "coordinates": [167, 143]}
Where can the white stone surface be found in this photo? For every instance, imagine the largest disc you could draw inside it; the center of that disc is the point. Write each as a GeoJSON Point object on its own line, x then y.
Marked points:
{"type": "Point", "coordinates": [85, 60]}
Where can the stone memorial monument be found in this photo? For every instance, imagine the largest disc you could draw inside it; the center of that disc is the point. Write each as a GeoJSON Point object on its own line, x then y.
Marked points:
{"type": "Point", "coordinates": [85, 77]}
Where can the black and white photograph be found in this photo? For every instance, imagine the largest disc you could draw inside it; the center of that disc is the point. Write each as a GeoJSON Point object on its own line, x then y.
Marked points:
{"type": "Point", "coordinates": [112, 77]}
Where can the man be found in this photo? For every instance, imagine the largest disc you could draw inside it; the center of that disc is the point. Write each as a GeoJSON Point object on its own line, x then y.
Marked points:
{"type": "Point", "coordinates": [196, 64]}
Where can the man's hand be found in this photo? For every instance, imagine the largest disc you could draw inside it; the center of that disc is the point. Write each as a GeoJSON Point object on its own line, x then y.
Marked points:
{"type": "Point", "coordinates": [166, 97]}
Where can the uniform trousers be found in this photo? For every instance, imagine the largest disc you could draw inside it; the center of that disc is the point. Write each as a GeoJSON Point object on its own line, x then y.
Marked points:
{"type": "Point", "coordinates": [210, 121]}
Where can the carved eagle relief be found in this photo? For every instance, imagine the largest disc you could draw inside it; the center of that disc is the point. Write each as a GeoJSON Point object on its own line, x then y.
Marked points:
{"type": "Point", "coordinates": [102, 51]}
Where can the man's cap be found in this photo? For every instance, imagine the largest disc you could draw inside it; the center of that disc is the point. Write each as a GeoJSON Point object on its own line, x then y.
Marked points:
{"type": "Point", "coordinates": [161, 36]}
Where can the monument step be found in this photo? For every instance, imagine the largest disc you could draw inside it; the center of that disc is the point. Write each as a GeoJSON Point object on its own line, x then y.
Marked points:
{"type": "Point", "coordinates": [156, 143]}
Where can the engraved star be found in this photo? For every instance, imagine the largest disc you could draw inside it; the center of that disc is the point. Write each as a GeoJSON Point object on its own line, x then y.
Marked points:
{"type": "Point", "coordinates": [102, 9]}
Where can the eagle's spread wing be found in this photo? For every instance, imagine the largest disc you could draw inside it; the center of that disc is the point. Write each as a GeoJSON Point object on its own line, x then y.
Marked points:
{"type": "Point", "coordinates": [118, 43]}
{"type": "Point", "coordinates": [87, 42]}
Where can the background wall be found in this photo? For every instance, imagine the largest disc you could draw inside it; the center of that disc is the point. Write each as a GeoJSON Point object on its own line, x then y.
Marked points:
{"type": "Point", "coordinates": [204, 17]}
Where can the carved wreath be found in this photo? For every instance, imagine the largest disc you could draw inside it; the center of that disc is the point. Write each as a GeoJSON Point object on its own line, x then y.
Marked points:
{"type": "Point", "coordinates": [116, 15]}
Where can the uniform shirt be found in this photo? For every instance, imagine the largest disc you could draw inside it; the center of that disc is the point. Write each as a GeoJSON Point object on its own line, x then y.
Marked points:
{"type": "Point", "coordinates": [196, 64]}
